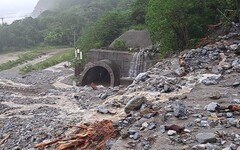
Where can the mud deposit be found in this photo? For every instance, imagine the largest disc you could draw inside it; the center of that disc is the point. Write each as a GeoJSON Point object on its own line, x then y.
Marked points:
{"type": "Point", "coordinates": [191, 101]}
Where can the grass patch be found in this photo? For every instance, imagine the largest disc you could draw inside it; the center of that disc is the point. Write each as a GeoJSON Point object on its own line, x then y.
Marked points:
{"type": "Point", "coordinates": [35, 48]}
{"type": "Point", "coordinates": [29, 54]}
{"type": "Point", "coordinates": [67, 55]}
{"type": "Point", "coordinates": [21, 59]}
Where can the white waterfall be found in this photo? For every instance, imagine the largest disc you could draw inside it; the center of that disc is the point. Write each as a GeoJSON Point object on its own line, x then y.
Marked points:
{"type": "Point", "coordinates": [138, 63]}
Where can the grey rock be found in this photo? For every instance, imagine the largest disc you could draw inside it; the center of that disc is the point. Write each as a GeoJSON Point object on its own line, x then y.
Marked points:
{"type": "Point", "coordinates": [142, 76]}
{"type": "Point", "coordinates": [187, 131]}
{"type": "Point", "coordinates": [237, 68]}
{"type": "Point", "coordinates": [211, 107]}
{"type": "Point", "coordinates": [215, 95]}
{"type": "Point", "coordinates": [180, 71]}
{"type": "Point", "coordinates": [148, 115]}
{"type": "Point", "coordinates": [226, 65]}
{"type": "Point", "coordinates": [233, 146]}
{"type": "Point", "coordinates": [229, 115]}
{"type": "Point", "coordinates": [238, 124]}
{"type": "Point", "coordinates": [210, 146]}
{"type": "Point", "coordinates": [221, 46]}
{"type": "Point", "coordinates": [132, 131]}
{"type": "Point", "coordinates": [162, 129]}
{"type": "Point", "coordinates": [203, 138]}
{"type": "Point", "coordinates": [211, 81]}
{"type": "Point", "coordinates": [124, 134]}
{"type": "Point", "coordinates": [236, 101]}
{"type": "Point", "coordinates": [102, 110]}
{"type": "Point", "coordinates": [145, 125]}
{"type": "Point", "coordinates": [236, 83]}
{"type": "Point", "coordinates": [136, 136]}
{"type": "Point", "coordinates": [236, 62]}
{"type": "Point", "coordinates": [167, 88]}
{"type": "Point", "coordinates": [134, 104]}
{"type": "Point", "coordinates": [147, 147]}
{"type": "Point", "coordinates": [103, 96]}
{"type": "Point", "coordinates": [53, 92]}
{"type": "Point", "coordinates": [151, 126]}
{"type": "Point", "coordinates": [197, 120]}
{"type": "Point", "coordinates": [237, 50]}
{"type": "Point", "coordinates": [171, 132]}
{"type": "Point", "coordinates": [232, 121]}
{"type": "Point", "coordinates": [16, 148]}
{"type": "Point", "coordinates": [179, 109]}
{"type": "Point", "coordinates": [204, 123]}
{"type": "Point", "coordinates": [199, 147]}
{"type": "Point", "coordinates": [204, 51]}
{"type": "Point", "coordinates": [227, 148]}
{"type": "Point", "coordinates": [109, 143]}
{"type": "Point", "coordinates": [234, 46]}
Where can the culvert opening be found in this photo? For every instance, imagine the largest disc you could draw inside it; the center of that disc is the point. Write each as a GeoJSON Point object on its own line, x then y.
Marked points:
{"type": "Point", "coordinates": [97, 75]}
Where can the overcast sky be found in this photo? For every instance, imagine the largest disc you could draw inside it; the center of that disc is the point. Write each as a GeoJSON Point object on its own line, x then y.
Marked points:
{"type": "Point", "coordinates": [16, 8]}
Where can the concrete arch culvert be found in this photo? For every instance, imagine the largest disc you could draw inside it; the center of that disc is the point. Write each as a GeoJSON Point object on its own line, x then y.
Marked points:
{"type": "Point", "coordinates": [103, 72]}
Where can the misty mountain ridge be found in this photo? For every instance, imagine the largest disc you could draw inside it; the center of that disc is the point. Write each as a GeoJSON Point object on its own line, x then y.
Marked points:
{"type": "Point", "coordinates": [54, 5]}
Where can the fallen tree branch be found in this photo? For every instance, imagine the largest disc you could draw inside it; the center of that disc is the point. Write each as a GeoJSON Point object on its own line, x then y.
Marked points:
{"type": "Point", "coordinates": [92, 135]}
{"type": "Point", "coordinates": [44, 144]}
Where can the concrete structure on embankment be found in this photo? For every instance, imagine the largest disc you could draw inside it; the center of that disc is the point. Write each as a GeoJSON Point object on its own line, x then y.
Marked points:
{"type": "Point", "coordinates": [111, 68]}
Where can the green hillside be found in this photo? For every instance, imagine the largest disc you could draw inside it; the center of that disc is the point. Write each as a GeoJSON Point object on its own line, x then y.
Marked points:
{"type": "Point", "coordinates": [173, 24]}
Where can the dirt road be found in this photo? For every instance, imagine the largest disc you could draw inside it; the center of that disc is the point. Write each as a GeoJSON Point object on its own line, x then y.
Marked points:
{"type": "Point", "coordinates": [9, 56]}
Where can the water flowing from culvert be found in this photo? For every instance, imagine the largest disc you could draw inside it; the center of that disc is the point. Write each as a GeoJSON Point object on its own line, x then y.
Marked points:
{"type": "Point", "coordinates": [138, 63]}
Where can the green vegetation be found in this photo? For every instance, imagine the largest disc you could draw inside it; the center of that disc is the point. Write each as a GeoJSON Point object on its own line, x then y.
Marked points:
{"type": "Point", "coordinates": [22, 58]}
{"type": "Point", "coordinates": [67, 55]}
{"type": "Point", "coordinates": [173, 24]}
{"type": "Point", "coordinates": [119, 44]}
{"type": "Point", "coordinates": [29, 54]}
{"type": "Point", "coordinates": [104, 31]}
{"type": "Point", "coordinates": [57, 26]}
{"type": "Point", "coordinates": [178, 24]}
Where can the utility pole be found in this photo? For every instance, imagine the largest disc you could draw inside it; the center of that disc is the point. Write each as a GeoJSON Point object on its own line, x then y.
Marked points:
{"type": "Point", "coordinates": [2, 19]}
{"type": "Point", "coordinates": [74, 38]}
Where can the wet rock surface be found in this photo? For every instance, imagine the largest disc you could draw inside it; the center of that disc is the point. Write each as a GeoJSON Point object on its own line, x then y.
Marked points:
{"type": "Point", "coordinates": [185, 102]}
{"type": "Point", "coordinates": [199, 118]}
{"type": "Point", "coordinates": [204, 138]}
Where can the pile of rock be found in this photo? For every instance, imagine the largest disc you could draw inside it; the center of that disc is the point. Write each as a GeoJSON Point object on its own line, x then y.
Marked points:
{"type": "Point", "coordinates": [217, 57]}
{"type": "Point", "coordinates": [197, 127]}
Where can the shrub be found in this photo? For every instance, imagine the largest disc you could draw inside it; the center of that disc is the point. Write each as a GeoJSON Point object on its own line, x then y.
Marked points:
{"type": "Point", "coordinates": [119, 44]}
{"type": "Point", "coordinates": [104, 31]}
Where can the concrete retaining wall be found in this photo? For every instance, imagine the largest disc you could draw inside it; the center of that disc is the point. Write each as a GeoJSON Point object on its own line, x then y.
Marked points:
{"type": "Point", "coordinates": [121, 58]}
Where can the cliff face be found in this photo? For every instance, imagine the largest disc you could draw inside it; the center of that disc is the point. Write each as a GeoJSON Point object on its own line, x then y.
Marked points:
{"type": "Point", "coordinates": [44, 5]}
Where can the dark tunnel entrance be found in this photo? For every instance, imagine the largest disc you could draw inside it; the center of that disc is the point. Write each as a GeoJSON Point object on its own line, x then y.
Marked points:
{"type": "Point", "coordinates": [103, 72]}
{"type": "Point", "coordinates": [97, 75]}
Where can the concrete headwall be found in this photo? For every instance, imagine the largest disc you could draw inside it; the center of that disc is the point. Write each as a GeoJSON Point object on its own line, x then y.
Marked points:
{"type": "Point", "coordinates": [121, 58]}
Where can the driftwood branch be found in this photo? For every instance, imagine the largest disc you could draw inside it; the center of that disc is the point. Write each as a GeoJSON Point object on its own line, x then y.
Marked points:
{"type": "Point", "coordinates": [92, 135]}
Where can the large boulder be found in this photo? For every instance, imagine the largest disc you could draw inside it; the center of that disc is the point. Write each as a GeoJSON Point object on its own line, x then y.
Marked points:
{"type": "Point", "coordinates": [179, 109]}
{"type": "Point", "coordinates": [203, 138]}
{"type": "Point", "coordinates": [135, 103]}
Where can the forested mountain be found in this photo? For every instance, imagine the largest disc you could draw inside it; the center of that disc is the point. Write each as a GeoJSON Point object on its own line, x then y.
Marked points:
{"type": "Point", "coordinates": [44, 5]}
{"type": "Point", "coordinates": [57, 25]}
{"type": "Point", "coordinates": [173, 24]}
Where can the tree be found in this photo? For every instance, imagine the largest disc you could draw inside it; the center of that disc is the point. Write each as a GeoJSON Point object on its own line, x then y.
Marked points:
{"type": "Point", "coordinates": [104, 31]}
{"type": "Point", "coordinates": [138, 11]}
{"type": "Point", "coordinates": [177, 24]}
